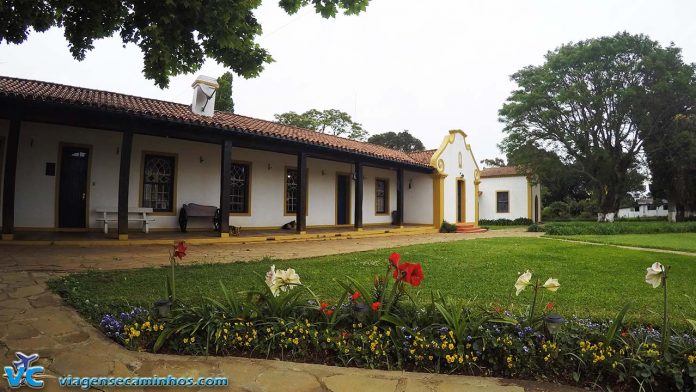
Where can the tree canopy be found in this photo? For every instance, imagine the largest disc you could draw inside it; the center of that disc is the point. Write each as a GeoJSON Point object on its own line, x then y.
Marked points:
{"type": "Point", "coordinates": [493, 162]}
{"type": "Point", "coordinates": [584, 103]}
{"type": "Point", "coordinates": [331, 121]}
{"type": "Point", "coordinates": [402, 141]}
{"type": "Point", "coordinates": [174, 36]}
{"type": "Point", "coordinates": [224, 101]}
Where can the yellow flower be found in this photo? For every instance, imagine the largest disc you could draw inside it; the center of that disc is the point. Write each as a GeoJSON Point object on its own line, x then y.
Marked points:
{"type": "Point", "coordinates": [388, 333]}
{"type": "Point", "coordinates": [185, 340]}
{"type": "Point", "coordinates": [126, 340]}
{"type": "Point", "coordinates": [451, 346]}
{"type": "Point", "coordinates": [193, 339]}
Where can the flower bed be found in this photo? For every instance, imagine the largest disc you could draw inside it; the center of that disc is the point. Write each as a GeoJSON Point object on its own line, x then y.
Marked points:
{"type": "Point", "coordinates": [381, 326]}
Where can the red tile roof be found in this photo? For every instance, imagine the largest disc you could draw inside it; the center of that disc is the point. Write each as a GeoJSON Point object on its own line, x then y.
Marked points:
{"type": "Point", "coordinates": [422, 156]}
{"type": "Point", "coordinates": [171, 111]}
{"type": "Point", "coordinates": [505, 171]}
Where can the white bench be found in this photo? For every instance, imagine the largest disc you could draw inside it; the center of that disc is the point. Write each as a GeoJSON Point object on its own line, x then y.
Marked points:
{"type": "Point", "coordinates": [111, 215]}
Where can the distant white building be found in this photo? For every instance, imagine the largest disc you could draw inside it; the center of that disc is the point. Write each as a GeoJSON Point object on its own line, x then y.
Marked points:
{"type": "Point", "coordinates": [645, 207]}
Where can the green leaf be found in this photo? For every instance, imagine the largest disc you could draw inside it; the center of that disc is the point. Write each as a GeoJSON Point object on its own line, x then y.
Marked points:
{"type": "Point", "coordinates": [693, 324]}
{"type": "Point", "coordinates": [616, 324]}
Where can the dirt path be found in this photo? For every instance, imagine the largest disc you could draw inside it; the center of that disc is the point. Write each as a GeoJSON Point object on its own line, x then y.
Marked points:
{"type": "Point", "coordinates": [73, 258]}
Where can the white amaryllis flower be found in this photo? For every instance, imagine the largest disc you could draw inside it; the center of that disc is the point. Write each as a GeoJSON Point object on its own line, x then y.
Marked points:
{"type": "Point", "coordinates": [551, 284]}
{"type": "Point", "coordinates": [281, 280]}
{"type": "Point", "coordinates": [523, 281]}
{"type": "Point", "coordinates": [654, 275]}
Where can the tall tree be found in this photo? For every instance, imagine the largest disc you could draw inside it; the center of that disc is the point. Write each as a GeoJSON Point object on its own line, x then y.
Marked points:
{"type": "Point", "coordinates": [581, 104]}
{"type": "Point", "coordinates": [331, 121]}
{"type": "Point", "coordinates": [224, 101]}
{"type": "Point", "coordinates": [402, 141]}
{"type": "Point", "coordinates": [174, 36]}
{"type": "Point", "coordinates": [666, 117]}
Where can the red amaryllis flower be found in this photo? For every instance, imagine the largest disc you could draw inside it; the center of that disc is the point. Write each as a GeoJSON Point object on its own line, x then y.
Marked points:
{"type": "Point", "coordinates": [329, 312]}
{"type": "Point", "coordinates": [394, 259]}
{"type": "Point", "coordinates": [376, 305]}
{"type": "Point", "coordinates": [355, 295]}
{"type": "Point", "coordinates": [180, 250]}
{"type": "Point", "coordinates": [323, 305]}
{"type": "Point", "coordinates": [411, 273]}
{"type": "Point", "coordinates": [549, 306]}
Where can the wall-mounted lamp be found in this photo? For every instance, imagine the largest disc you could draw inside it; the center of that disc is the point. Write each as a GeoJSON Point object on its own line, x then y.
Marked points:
{"type": "Point", "coordinates": [322, 172]}
{"type": "Point", "coordinates": [31, 142]}
{"type": "Point", "coordinates": [118, 150]}
{"type": "Point", "coordinates": [200, 159]}
{"type": "Point", "coordinates": [410, 183]}
{"type": "Point", "coordinates": [269, 166]}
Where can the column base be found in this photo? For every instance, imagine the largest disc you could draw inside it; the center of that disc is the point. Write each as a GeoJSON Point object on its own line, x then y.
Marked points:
{"type": "Point", "coordinates": [7, 237]}
{"type": "Point", "coordinates": [224, 235]}
{"type": "Point", "coordinates": [358, 229]}
{"type": "Point", "coordinates": [302, 232]}
{"type": "Point", "coordinates": [123, 237]}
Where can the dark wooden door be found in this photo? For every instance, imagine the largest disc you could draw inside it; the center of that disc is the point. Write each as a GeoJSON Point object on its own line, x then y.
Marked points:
{"type": "Point", "coordinates": [72, 191]}
{"type": "Point", "coordinates": [342, 199]}
{"type": "Point", "coordinates": [536, 209]}
{"type": "Point", "coordinates": [461, 202]}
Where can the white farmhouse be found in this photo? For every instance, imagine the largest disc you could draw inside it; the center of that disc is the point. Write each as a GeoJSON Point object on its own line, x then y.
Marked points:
{"type": "Point", "coordinates": [506, 193]}
{"type": "Point", "coordinates": [81, 160]}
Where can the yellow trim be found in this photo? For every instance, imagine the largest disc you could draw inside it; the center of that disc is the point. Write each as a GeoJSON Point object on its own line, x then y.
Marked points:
{"type": "Point", "coordinates": [174, 183]}
{"type": "Point", "coordinates": [8, 237]}
{"type": "Point", "coordinates": [529, 199]}
{"type": "Point", "coordinates": [224, 235]}
{"type": "Point", "coordinates": [251, 171]}
{"type": "Point", "coordinates": [88, 187]}
{"type": "Point", "coordinates": [285, 192]}
{"type": "Point", "coordinates": [438, 163]}
{"type": "Point", "coordinates": [438, 199]}
{"type": "Point", "coordinates": [349, 201]}
{"type": "Point", "coordinates": [387, 194]}
{"type": "Point", "coordinates": [123, 237]}
{"type": "Point", "coordinates": [496, 201]}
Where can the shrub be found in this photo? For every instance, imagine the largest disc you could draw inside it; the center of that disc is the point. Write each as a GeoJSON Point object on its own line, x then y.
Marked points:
{"type": "Point", "coordinates": [622, 227]}
{"type": "Point", "coordinates": [447, 227]}
{"type": "Point", "coordinates": [535, 228]}
{"type": "Point", "coordinates": [505, 222]}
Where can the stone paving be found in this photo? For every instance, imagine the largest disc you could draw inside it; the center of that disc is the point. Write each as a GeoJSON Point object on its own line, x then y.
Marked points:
{"type": "Point", "coordinates": [33, 320]}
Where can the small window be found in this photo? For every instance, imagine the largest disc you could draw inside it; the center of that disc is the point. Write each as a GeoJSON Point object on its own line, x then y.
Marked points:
{"type": "Point", "coordinates": [502, 201]}
{"type": "Point", "coordinates": [158, 182]}
{"type": "Point", "coordinates": [381, 196]}
{"type": "Point", "coordinates": [651, 207]}
{"type": "Point", "coordinates": [239, 188]}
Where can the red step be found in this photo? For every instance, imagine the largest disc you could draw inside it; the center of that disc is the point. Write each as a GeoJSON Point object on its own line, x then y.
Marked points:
{"type": "Point", "coordinates": [462, 228]}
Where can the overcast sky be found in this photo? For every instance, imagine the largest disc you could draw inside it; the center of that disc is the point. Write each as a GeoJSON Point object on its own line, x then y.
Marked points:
{"type": "Point", "coordinates": [425, 66]}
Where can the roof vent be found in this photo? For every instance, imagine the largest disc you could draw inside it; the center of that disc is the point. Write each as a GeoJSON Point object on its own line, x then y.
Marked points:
{"type": "Point", "coordinates": [204, 89]}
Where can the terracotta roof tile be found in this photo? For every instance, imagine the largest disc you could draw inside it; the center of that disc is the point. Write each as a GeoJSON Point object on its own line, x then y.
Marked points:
{"type": "Point", "coordinates": [171, 111]}
{"type": "Point", "coordinates": [505, 171]}
{"type": "Point", "coordinates": [422, 156]}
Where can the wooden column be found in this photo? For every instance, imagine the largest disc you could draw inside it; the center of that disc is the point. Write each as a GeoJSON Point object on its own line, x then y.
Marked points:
{"type": "Point", "coordinates": [301, 220]}
{"type": "Point", "coordinates": [124, 184]}
{"type": "Point", "coordinates": [399, 197]}
{"type": "Point", "coordinates": [8, 194]}
{"type": "Point", "coordinates": [225, 174]}
{"type": "Point", "coordinates": [358, 196]}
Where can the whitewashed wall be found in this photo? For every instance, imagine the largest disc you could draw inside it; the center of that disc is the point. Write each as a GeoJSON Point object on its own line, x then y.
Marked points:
{"type": "Point", "coordinates": [642, 212]}
{"type": "Point", "coordinates": [197, 180]}
{"type": "Point", "coordinates": [450, 157]}
{"type": "Point", "coordinates": [4, 128]}
{"type": "Point", "coordinates": [517, 186]}
{"type": "Point", "coordinates": [418, 198]}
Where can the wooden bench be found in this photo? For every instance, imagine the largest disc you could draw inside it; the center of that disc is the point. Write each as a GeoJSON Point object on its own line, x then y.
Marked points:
{"type": "Point", "coordinates": [111, 215]}
{"type": "Point", "coordinates": [198, 210]}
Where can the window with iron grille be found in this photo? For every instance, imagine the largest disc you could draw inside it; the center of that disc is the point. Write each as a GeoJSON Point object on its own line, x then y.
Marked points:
{"type": "Point", "coordinates": [381, 196]}
{"type": "Point", "coordinates": [158, 182]}
{"type": "Point", "coordinates": [502, 201]}
{"type": "Point", "coordinates": [292, 191]}
{"type": "Point", "coordinates": [239, 188]}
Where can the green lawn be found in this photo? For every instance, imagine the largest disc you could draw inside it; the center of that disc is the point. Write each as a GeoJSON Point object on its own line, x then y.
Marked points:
{"type": "Point", "coordinates": [595, 281]}
{"type": "Point", "coordinates": [673, 241]}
